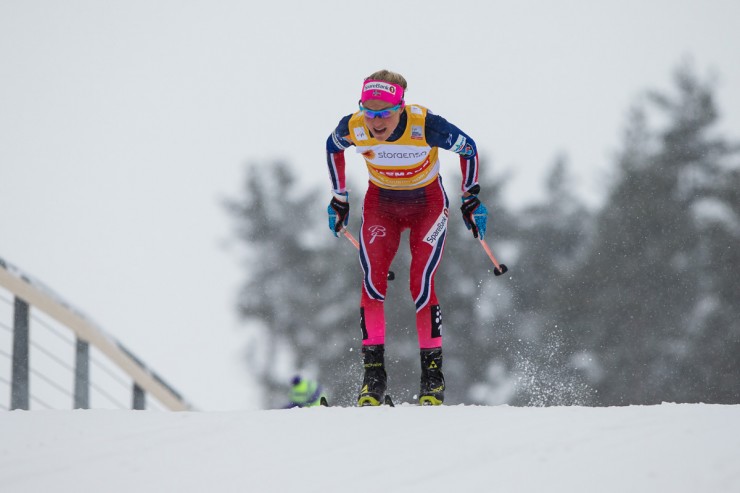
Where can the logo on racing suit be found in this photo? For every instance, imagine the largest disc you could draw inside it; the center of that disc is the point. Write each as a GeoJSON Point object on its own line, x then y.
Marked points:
{"type": "Point", "coordinates": [459, 143]}
{"type": "Point", "coordinates": [462, 147]}
{"type": "Point", "coordinates": [378, 86]}
{"type": "Point", "coordinates": [402, 155]}
{"type": "Point", "coordinates": [437, 231]}
{"type": "Point", "coordinates": [468, 151]}
{"type": "Point", "coordinates": [402, 173]}
{"type": "Point", "coordinates": [375, 232]}
{"type": "Point", "coordinates": [417, 132]}
{"type": "Point", "coordinates": [360, 133]}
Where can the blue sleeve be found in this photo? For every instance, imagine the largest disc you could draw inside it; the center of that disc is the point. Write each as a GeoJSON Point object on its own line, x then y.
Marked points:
{"type": "Point", "coordinates": [443, 134]}
{"type": "Point", "coordinates": [336, 141]}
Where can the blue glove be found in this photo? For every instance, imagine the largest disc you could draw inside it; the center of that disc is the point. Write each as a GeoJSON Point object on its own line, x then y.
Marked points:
{"type": "Point", "coordinates": [338, 212]}
{"type": "Point", "coordinates": [475, 215]}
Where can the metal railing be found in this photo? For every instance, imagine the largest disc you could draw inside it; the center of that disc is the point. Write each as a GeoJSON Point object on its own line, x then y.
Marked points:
{"type": "Point", "coordinates": [67, 349]}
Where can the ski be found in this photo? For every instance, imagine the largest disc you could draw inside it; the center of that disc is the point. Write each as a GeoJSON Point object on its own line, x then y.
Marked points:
{"type": "Point", "coordinates": [388, 402]}
{"type": "Point", "coordinates": [365, 402]}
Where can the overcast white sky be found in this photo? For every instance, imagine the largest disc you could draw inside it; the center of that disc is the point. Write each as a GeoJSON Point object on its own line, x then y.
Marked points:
{"type": "Point", "coordinates": [123, 124]}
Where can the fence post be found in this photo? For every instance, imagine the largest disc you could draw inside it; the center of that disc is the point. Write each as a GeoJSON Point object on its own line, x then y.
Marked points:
{"type": "Point", "coordinates": [82, 375]}
{"type": "Point", "coordinates": [139, 400]}
{"type": "Point", "coordinates": [19, 391]}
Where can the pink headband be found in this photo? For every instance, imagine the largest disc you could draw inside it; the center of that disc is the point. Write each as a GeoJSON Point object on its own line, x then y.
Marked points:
{"type": "Point", "coordinates": [382, 90]}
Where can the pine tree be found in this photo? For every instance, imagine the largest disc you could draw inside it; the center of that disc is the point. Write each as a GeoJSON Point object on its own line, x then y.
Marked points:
{"type": "Point", "coordinates": [642, 280]}
{"type": "Point", "coordinates": [552, 238]}
{"type": "Point", "coordinates": [299, 285]}
{"type": "Point", "coordinates": [716, 336]}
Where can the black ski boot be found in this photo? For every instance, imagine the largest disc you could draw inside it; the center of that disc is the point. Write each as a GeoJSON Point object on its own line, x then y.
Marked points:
{"type": "Point", "coordinates": [432, 391]}
{"type": "Point", "coordinates": [376, 380]}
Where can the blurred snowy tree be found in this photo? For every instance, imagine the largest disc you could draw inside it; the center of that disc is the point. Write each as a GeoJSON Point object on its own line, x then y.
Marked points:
{"type": "Point", "coordinates": [646, 290]}
{"type": "Point", "coordinates": [300, 287]}
{"type": "Point", "coordinates": [553, 237]}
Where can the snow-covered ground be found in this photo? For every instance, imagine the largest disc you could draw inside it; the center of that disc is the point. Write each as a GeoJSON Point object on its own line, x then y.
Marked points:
{"type": "Point", "coordinates": [666, 448]}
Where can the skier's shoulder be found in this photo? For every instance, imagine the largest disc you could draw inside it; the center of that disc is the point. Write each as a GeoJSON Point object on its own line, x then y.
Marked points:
{"type": "Point", "coordinates": [436, 122]}
{"type": "Point", "coordinates": [416, 109]}
{"type": "Point", "coordinates": [438, 130]}
{"type": "Point", "coordinates": [442, 133]}
{"type": "Point", "coordinates": [422, 115]}
{"type": "Point", "coordinates": [343, 126]}
{"type": "Point", "coordinates": [339, 139]}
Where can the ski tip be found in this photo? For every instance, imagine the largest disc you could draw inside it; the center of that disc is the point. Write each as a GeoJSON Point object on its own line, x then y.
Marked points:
{"type": "Point", "coordinates": [388, 401]}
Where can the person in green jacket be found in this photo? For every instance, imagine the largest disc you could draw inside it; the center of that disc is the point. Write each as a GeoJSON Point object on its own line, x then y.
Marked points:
{"type": "Point", "coordinates": [306, 393]}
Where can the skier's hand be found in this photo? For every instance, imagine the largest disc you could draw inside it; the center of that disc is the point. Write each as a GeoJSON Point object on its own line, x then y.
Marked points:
{"type": "Point", "coordinates": [338, 212]}
{"type": "Point", "coordinates": [475, 215]}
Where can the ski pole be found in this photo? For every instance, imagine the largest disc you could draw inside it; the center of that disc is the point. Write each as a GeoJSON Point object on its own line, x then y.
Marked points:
{"type": "Point", "coordinates": [498, 269]}
{"type": "Point", "coordinates": [348, 235]}
{"type": "Point", "coordinates": [351, 238]}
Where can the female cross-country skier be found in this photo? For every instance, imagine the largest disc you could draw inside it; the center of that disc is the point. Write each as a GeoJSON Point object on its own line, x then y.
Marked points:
{"type": "Point", "coordinates": [400, 144]}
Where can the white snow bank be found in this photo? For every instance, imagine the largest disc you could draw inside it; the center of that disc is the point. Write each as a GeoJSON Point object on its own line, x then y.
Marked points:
{"type": "Point", "coordinates": [671, 447]}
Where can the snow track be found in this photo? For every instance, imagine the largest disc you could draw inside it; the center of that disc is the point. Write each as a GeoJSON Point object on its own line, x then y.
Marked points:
{"type": "Point", "coordinates": [671, 447]}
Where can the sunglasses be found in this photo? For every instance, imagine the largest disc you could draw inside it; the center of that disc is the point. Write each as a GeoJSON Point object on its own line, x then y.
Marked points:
{"type": "Point", "coordinates": [380, 113]}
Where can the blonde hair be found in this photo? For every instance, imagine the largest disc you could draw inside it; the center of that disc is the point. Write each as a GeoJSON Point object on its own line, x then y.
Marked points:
{"type": "Point", "coordinates": [388, 76]}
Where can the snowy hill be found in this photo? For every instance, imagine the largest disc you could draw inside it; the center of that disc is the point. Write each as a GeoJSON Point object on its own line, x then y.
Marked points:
{"type": "Point", "coordinates": [671, 447]}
